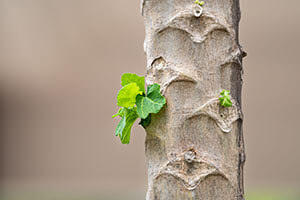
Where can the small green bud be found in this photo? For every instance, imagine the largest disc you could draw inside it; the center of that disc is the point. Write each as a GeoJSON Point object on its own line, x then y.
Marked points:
{"type": "Point", "coordinates": [200, 3]}
{"type": "Point", "coordinates": [225, 98]}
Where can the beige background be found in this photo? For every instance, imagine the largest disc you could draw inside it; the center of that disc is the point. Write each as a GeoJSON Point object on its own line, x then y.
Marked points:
{"type": "Point", "coordinates": [61, 62]}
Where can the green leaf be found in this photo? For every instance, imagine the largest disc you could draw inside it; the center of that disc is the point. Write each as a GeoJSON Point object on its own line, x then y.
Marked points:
{"type": "Point", "coordinates": [133, 78]}
{"type": "Point", "coordinates": [145, 122]}
{"type": "Point", "coordinates": [124, 127]}
{"type": "Point", "coordinates": [225, 93]}
{"type": "Point", "coordinates": [225, 98]}
{"type": "Point", "coordinates": [120, 113]}
{"type": "Point", "coordinates": [152, 103]}
{"type": "Point", "coordinates": [127, 95]}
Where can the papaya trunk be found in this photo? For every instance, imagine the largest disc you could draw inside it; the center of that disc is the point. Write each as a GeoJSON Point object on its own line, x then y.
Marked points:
{"type": "Point", "coordinates": [194, 146]}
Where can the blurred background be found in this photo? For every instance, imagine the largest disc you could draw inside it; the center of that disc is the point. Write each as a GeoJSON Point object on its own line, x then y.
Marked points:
{"type": "Point", "coordinates": [60, 68]}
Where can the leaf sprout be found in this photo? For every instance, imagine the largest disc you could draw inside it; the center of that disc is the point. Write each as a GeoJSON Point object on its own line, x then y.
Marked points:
{"type": "Point", "coordinates": [225, 98]}
{"type": "Point", "coordinates": [200, 3]}
{"type": "Point", "coordinates": [136, 102]}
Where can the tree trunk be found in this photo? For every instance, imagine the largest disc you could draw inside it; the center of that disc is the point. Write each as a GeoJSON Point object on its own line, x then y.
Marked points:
{"type": "Point", "coordinates": [194, 146]}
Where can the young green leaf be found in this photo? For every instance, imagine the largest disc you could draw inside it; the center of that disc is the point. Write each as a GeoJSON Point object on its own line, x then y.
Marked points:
{"type": "Point", "coordinates": [225, 98]}
{"type": "Point", "coordinates": [124, 127]}
{"type": "Point", "coordinates": [127, 95]}
{"type": "Point", "coordinates": [152, 103]}
{"type": "Point", "coordinates": [133, 78]}
{"type": "Point", "coordinates": [120, 113]}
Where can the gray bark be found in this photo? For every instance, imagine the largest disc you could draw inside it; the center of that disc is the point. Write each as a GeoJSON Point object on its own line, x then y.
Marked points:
{"type": "Point", "coordinates": [194, 147]}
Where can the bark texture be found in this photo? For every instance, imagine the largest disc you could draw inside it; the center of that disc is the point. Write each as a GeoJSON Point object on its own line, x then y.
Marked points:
{"type": "Point", "coordinates": [194, 147]}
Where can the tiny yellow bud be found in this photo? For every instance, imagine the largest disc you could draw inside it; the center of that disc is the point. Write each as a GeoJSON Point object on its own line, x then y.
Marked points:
{"type": "Point", "coordinates": [200, 3]}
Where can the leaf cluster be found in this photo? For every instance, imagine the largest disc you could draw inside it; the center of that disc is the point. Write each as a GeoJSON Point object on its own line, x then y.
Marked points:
{"type": "Point", "coordinates": [225, 98]}
{"type": "Point", "coordinates": [136, 103]}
